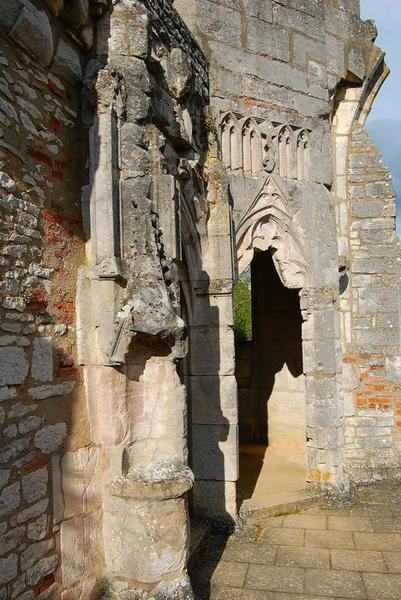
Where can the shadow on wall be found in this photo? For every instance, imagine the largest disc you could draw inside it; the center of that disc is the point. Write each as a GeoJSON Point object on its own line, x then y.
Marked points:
{"type": "Point", "coordinates": [275, 350]}
{"type": "Point", "coordinates": [209, 432]}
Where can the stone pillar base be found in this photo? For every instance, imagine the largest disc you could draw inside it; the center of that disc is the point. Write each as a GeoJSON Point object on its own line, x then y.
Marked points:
{"type": "Point", "coordinates": [146, 537]}
{"type": "Point", "coordinates": [176, 589]}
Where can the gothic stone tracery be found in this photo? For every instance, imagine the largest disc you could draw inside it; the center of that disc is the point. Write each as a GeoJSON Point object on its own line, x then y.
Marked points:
{"type": "Point", "coordinates": [254, 145]}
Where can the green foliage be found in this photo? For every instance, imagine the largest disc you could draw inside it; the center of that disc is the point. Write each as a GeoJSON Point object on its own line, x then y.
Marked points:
{"type": "Point", "coordinates": [242, 310]}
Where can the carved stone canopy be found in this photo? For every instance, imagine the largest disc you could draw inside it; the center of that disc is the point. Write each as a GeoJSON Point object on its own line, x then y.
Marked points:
{"type": "Point", "coordinates": [268, 224]}
{"type": "Point", "coordinates": [254, 145]}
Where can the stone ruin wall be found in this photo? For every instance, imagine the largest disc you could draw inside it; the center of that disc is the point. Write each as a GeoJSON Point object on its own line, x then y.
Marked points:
{"type": "Point", "coordinates": [42, 407]}
{"type": "Point", "coordinates": [58, 73]}
{"type": "Point", "coordinates": [311, 69]}
{"type": "Point", "coordinates": [372, 363]}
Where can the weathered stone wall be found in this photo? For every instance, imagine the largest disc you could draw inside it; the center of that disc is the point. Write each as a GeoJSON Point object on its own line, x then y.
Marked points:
{"type": "Point", "coordinates": [279, 72]}
{"type": "Point", "coordinates": [144, 207]}
{"type": "Point", "coordinates": [274, 68]}
{"type": "Point", "coordinates": [42, 410]}
{"type": "Point", "coordinates": [371, 371]}
{"type": "Point", "coordinates": [133, 136]}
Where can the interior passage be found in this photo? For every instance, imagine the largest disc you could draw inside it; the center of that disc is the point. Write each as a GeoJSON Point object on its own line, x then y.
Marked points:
{"type": "Point", "coordinates": [271, 389]}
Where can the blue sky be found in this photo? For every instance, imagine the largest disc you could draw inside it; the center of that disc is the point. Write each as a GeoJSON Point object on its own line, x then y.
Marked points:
{"type": "Point", "coordinates": [384, 121]}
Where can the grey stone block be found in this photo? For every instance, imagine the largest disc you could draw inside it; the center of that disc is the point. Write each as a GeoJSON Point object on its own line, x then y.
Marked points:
{"type": "Point", "coordinates": [214, 400]}
{"type": "Point", "coordinates": [34, 485]}
{"type": "Point", "coordinates": [263, 38]}
{"type": "Point", "coordinates": [11, 539]}
{"type": "Point", "coordinates": [380, 190]}
{"type": "Point", "coordinates": [50, 438]}
{"type": "Point", "coordinates": [259, 66]}
{"type": "Point", "coordinates": [33, 32]}
{"type": "Point", "coordinates": [35, 552]}
{"type": "Point", "coordinates": [42, 359]}
{"type": "Point", "coordinates": [8, 568]}
{"type": "Point", "coordinates": [43, 567]}
{"type": "Point", "coordinates": [367, 209]}
{"type": "Point", "coordinates": [31, 512]}
{"type": "Point", "coordinates": [219, 23]}
{"type": "Point", "coordinates": [261, 9]}
{"type": "Point", "coordinates": [9, 13]}
{"type": "Point", "coordinates": [301, 22]}
{"type": "Point", "coordinates": [373, 265]}
{"type": "Point", "coordinates": [13, 366]}
{"type": "Point", "coordinates": [335, 56]}
{"type": "Point", "coordinates": [306, 48]}
{"type": "Point", "coordinates": [215, 452]}
{"type": "Point", "coordinates": [9, 499]}
{"type": "Point", "coordinates": [377, 337]}
{"type": "Point", "coordinates": [67, 63]}
{"type": "Point", "coordinates": [4, 477]}
{"type": "Point", "coordinates": [130, 32]}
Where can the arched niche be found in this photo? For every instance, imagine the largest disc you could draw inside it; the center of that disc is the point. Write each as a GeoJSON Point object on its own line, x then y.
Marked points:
{"type": "Point", "coordinates": [285, 152]}
{"type": "Point", "coordinates": [267, 224]}
{"type": "Point", "coordinates": [272, 395]}
{"type": "Point", "coordinates": [231, 142]}
{"type": "Point", "coordinates": [251, 146]}
{"type": "Point", "coordinates": [303, 155]}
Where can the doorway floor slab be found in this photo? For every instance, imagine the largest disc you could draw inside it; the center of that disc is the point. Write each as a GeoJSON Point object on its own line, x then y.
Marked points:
{"type": "Point", "coordinates": [267, 477]}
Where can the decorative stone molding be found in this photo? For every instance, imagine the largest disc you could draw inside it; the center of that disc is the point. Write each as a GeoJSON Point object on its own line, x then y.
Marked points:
{"type": "Point", "coordinates": [255, 145]}
{"type": "Point", "coordinates": [153, 490]}
{"type": "Point", "coordinates": [268, 224]}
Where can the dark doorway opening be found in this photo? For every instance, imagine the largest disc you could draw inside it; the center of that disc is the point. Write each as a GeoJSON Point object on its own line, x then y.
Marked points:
{"type": "Point", "coordinates": [271, 389]}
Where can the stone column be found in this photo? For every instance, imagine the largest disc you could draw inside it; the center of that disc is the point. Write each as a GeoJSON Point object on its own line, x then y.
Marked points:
{"type": "Point", "coordinates": [322, 367]}
{"type": "Point", "coordinates": [145, 524]}
{"type": "Point", "coordinates": [130, 335]}
{"type": "Point", "coordinates": [213, 383]}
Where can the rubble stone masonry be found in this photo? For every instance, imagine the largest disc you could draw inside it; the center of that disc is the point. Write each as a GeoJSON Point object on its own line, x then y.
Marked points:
{"type": "Point", "coordinates": [42, 409]}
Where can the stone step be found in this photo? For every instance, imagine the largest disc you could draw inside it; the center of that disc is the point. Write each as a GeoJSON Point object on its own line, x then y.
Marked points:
{"type": "Point", "coordinates": [281, 503]}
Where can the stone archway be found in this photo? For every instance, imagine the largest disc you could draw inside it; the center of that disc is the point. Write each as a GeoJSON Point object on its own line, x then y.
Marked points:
{"type": "Point", "coordinates": [270, 378]}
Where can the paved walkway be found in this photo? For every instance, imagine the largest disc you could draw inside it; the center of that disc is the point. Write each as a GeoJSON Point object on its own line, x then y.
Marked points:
{"type": "Point", "coordinates": [316, 554]}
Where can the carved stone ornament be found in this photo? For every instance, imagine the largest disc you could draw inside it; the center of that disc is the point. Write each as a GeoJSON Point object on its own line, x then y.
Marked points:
{"type": "Point", "coordinates": [268, 224]}
{"type": "Point", "coordinates": [255, 145]}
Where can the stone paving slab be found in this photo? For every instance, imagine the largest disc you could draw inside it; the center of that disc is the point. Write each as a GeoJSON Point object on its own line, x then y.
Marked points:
{"type": "Point", "coordinates": [358, 560]}
{"type": "Point", "coordinates": [320, 553]}
{"type": "Point", "coordinates": [315, 558]}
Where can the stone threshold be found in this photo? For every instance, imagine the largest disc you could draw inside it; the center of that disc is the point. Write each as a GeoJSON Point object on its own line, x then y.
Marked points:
{"type": "Point", "coordinates": [281, 503]}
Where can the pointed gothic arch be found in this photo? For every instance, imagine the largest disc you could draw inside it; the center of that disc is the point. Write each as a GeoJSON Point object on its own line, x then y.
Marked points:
{"type": "Point", "coordinates": [268, 224]}
{"type": "Point", "coordinates": [231, 141]}
{"type": "Point", "coordinates": [303, 155]}
{"type": "Point", "coordinates": [285, 151]}
{"type": "Point", "coordinates": [251, 146]}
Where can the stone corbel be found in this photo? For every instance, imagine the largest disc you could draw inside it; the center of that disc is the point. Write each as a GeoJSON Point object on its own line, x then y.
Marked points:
{"type": "Point", "coordinates": [111, 268]}
{"type": "Point", "coordinates": [122, 337]}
